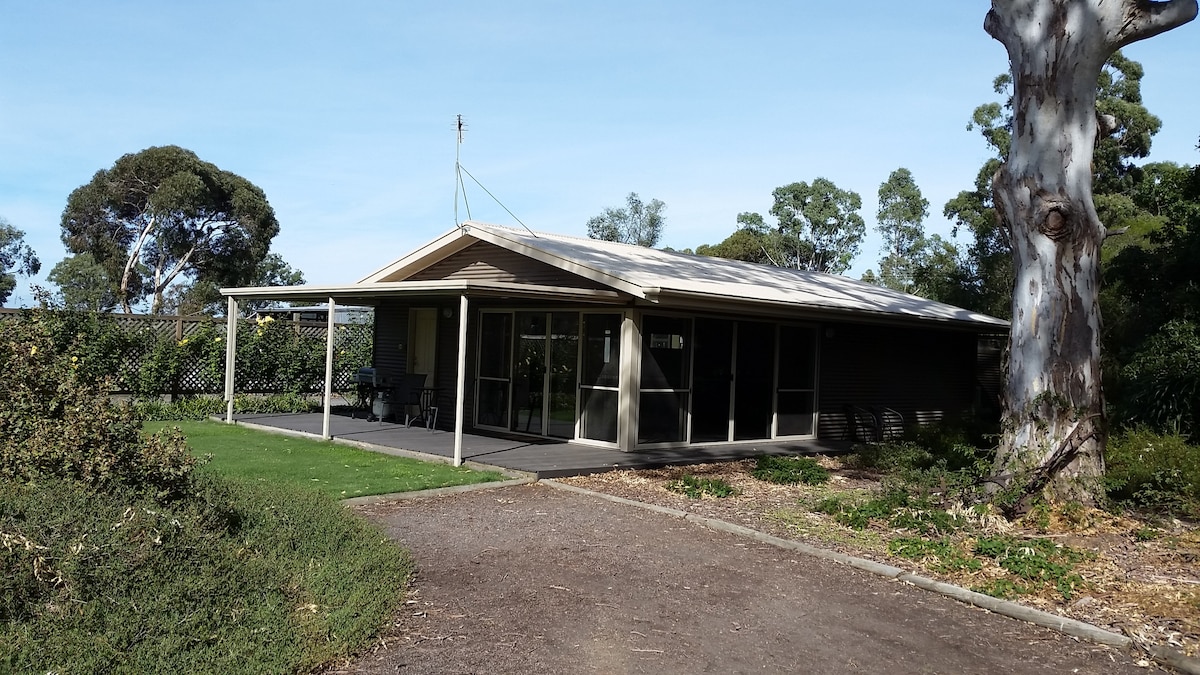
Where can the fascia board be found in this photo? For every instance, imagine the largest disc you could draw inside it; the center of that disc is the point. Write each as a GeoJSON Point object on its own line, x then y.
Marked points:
{"type": "Point", "coordinates": [445, 245]}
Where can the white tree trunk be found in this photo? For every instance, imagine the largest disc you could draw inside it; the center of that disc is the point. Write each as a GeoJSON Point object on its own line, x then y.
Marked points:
{"type": "Point", "coordinates": [1054, 406]}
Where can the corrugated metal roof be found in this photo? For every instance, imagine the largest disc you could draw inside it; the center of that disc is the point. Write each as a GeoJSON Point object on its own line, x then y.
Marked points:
{"type": "Point", "coordinates": [661, 274]}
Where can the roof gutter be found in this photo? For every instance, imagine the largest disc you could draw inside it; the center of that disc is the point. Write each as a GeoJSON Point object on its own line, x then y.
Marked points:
{"type": "Point", "coordinates": [714, 301]}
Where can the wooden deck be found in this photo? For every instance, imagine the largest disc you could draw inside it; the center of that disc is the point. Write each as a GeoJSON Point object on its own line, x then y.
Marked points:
{"type": "Point", "coordinates": [543, 458]}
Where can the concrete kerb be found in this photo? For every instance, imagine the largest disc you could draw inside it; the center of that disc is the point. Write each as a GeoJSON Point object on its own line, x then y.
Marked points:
{"type": "Point", "coordinates": [1161, 655]}
{"type": "Point", "coordinates": [435, 492]}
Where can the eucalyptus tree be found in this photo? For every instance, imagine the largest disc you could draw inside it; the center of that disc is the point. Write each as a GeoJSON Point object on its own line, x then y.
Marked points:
{"type": "Point", "coordinates": [900, 220]}
{"type": "Point", "coordinates": [819, 224]}
{"type": "Point", "coordinates": [1054, 416]}
{"type": "Point", "coordinates": [16, 257]}
{"type": "Point", "coordinates": [84, 284]}
{"type": "Point", "coordinates": [638, 223]}
{"type": "Point", "coordinates": [163, 212]}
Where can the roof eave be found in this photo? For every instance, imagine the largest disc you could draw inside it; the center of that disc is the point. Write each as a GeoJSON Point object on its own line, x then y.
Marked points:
{"type": "Point", "coordinates": [668, 297]}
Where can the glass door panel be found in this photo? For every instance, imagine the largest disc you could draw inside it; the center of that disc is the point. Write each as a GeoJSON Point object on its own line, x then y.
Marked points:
{"type": "Point", "coordinates": [754, 382]}
{"type": "Point", "coordinates": [564, 361]}
{"type": "Point", "coordinates": [712, 380]}
{"type": "Point", "coordinates": [529, 373]}
{"type": "Point", "coordinates": [666, 355]}
{"type": "Point", "coordinates": [600, 377]}
{"type": "Point", "coordinates": [797, 393]}
{"type": "Point", "coordinates": [495, 359]}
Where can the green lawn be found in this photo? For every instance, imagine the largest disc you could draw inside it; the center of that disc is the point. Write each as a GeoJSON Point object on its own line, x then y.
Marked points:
{"type": "Point", "coordinates": [337, 470]}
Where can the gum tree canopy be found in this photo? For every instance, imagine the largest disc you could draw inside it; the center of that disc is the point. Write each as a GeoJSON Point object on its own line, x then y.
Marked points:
{"type": "Point", "coordinates": [163, 212]}
{"type": "Point", "coordinates": [1054, 409]}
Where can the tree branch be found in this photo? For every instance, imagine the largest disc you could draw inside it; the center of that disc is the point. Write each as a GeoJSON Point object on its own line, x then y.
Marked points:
{"type": "Point", "coordinates": [1146, 18]}
{"type": "Point", "coordinates": [134, 254]}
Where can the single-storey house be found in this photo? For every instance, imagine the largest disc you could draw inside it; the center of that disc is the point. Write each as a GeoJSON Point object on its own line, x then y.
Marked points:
{"type": "Point", "coordinates": [596, 342]}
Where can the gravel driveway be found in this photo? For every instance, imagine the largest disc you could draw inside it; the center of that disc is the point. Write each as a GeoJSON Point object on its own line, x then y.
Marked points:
{"type": "Point", "coordinates": [530, 579]}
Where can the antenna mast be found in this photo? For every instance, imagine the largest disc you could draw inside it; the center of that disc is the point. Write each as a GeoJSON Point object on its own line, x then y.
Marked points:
{"type": "Point", "coordinates": [459, 185]}
{"type": "Point", "coordinates": [461, 130]}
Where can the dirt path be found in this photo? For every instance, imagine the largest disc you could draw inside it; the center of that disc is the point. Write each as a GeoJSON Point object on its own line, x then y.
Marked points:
{"type": "Point", "coordinates": [529, 579]}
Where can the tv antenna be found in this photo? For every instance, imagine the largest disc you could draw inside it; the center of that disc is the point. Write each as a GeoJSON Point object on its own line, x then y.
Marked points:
{"type": "Point", "coordinates": [460, 126]}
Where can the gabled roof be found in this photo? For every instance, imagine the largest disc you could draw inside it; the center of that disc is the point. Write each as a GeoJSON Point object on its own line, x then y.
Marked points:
{"type": "Point", "coordinates": [667, 276]}
{"type": "Point", "coordinates": [656, 277]}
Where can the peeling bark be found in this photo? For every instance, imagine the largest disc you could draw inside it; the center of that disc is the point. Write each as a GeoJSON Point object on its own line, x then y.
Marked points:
{"type": "Point", "coordinates": [1054, 419]}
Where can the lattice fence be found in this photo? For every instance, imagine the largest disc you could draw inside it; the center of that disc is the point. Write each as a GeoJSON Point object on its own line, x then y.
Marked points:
{"type": "Point", "coordinates": [186, 355]}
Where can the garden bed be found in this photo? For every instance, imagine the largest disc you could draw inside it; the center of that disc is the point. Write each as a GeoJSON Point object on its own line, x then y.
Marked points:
{"type": "Point", "coordinates": [1132, 575]}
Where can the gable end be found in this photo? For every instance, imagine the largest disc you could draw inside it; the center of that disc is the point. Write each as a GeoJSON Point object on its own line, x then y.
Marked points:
{"type": "Point", "coordinates": [482, 261]}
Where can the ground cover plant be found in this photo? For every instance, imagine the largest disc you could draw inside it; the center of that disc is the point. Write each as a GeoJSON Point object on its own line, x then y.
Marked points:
{"type": "Point", "coordinates": [695, 488]}
{"type": "Point", "coordinates": [205, 407]}
{"type": "Point", "coordinates": [789, 470]}
{"type": "Point", "coordinates": [336, 470]}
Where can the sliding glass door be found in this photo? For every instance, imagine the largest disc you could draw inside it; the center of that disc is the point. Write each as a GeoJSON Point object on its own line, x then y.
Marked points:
{"type": "Point", "coordinates": [750, 380]}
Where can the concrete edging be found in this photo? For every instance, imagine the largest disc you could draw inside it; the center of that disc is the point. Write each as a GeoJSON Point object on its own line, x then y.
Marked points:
{"type": "Point", "coordinates": [433, 492]}
{"type": "Point", "coordinates": [1072, 627]}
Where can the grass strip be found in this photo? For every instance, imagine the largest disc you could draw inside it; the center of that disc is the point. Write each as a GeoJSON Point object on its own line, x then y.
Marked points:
{"type": "Point", "coordinates": [337, 470]}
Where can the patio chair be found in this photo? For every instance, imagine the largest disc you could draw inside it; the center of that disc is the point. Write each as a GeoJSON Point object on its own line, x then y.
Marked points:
{"type": "Point", "coordinates": [890, 423]}
{"type": "Point", "coordinates": [409, 396]}
{"type": "Point", "coordinates": [861, 424]}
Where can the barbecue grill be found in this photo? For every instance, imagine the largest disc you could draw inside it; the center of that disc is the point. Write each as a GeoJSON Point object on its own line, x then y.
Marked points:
{"type": "Point", "coordinates": [372, 389]}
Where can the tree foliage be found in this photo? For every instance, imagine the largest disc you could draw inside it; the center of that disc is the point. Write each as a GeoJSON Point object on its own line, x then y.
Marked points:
{"type": "Point", "coordinates": [16, 257]}
{"type": "Point", "coordinates": [900, 220]}
{"type": "Point", "coordinates": [162, 213]}
{"type": "Point", "coordinates": [84, 284]}
{"type": "Point", "coordinates": [202, 296]}
{"type": "Point", "coordinates": [638, 223]}
{"type": "Point", "coordinates": [818, 228]}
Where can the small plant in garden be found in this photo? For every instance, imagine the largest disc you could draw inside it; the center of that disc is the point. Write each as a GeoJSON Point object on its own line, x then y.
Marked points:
{"type": "Point", "coordinates": [1038, 561]}
{"type": "Point", "coordinates": [695, 488]}
{"type": "Point", "coordinates": [1005, 589]}
{"type": "Point", "coordinates": [790, 470]}
{"type": "Point", "coordinates": [944, 555]}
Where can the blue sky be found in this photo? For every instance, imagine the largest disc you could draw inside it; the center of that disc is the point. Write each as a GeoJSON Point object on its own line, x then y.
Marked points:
{"type": "Point", "coordinates": [344, 112]}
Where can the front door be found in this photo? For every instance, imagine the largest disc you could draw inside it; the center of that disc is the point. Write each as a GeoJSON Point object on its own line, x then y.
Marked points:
{"type": "Point", "coordinates": [422, 343]}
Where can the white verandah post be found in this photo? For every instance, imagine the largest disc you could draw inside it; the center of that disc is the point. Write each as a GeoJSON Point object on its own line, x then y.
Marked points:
{"type": "Point", "coordinates": [329, 330]}
{"type": "Point", "coordinates": [231, 313]}
{"type": "Point", "coordinates": [461, 384]}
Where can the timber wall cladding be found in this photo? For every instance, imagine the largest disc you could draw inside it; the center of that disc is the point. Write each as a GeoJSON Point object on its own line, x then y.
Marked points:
{"type": "Point", "coordinates": [924, 375]}
{"type": "Point", "coordinates": [391, 340]}
{"type": "Point", "coordinates": [487, 262]}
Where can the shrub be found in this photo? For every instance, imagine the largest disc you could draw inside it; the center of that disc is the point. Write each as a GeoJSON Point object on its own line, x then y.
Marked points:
{"type": "Point", "coordinates": [893, 455]}
{"type": "Point", "coordinates": [204, 407]}
{"type": "Point", "coordinates": [57, 422]}
{"type": "Point", "coordinates": [1153, 470]}
{"type": "Point", "coordinates": [789, 470]}
{"type": "Point", "coordinates": [1161, 383]}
